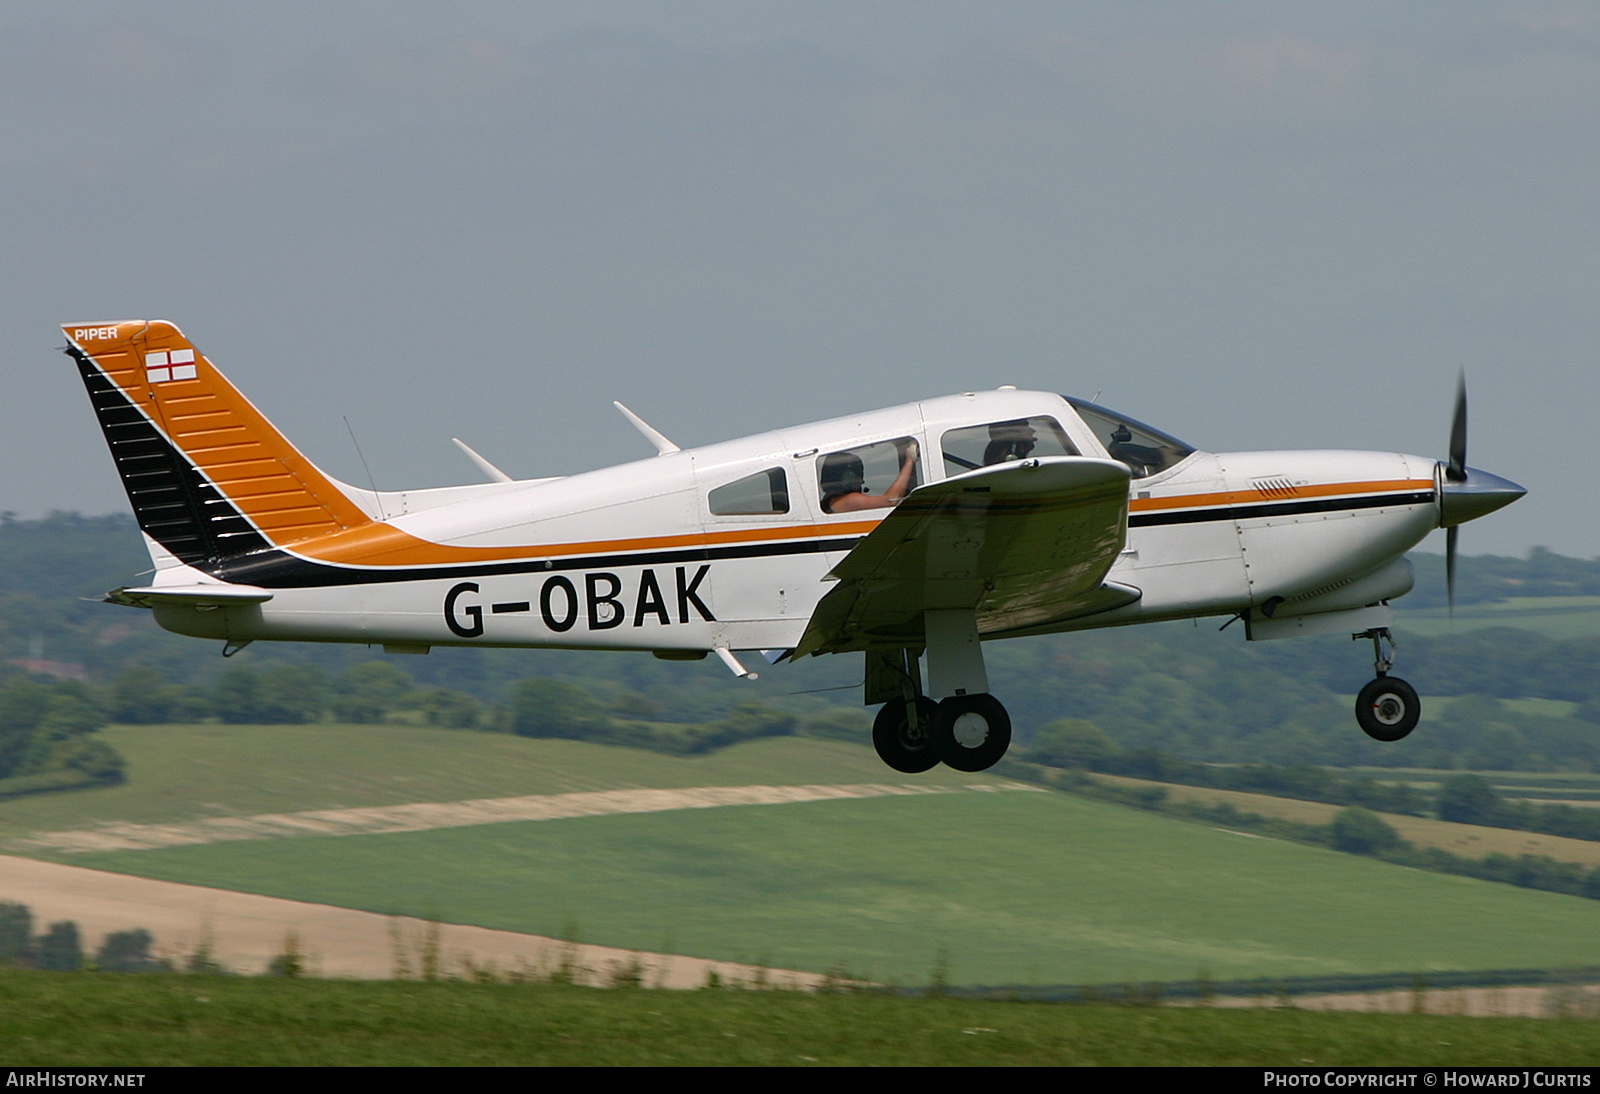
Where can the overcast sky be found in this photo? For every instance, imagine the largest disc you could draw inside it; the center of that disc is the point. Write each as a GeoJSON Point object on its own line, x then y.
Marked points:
{"type": "Point", "coordinates": [1256, 225]}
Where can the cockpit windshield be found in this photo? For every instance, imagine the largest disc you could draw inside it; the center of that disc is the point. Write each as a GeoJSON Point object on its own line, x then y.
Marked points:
{"type": "Point", "coordinates": [1146, 451]}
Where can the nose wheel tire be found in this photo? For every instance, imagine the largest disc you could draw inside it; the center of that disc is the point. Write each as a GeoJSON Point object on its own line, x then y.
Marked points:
{"type": "Point", "coordinates": [1388, 709]}
{"type": "Point", "coordinates": [971, 732]}
{"type": "Point", "coordinates": [899, 745]}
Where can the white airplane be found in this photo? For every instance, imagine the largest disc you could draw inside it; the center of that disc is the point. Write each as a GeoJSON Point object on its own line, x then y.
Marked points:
{"type": "Point", "coordinates": [909, 534]}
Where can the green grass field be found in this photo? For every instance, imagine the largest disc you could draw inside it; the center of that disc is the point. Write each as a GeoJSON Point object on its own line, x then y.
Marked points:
{"type": "Point", "coordinates": [131, 1021]}
{"type": "Point", "coordinates": [1008, 888]}
{"type": "Point", "coordinates": [187, 772]}
{"type": "Point", "coordinates": [1014, 887]}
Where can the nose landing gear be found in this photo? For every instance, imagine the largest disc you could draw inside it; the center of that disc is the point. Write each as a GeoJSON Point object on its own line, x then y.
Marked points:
{"type": "Point", "coordinates": [1387, 708]}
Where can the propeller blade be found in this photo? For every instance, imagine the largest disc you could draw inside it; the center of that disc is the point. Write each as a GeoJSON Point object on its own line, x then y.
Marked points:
{"type": "Point", "coordinates": [1456, 469]}
{"type": "Point", "coordinates": [1450, 567]}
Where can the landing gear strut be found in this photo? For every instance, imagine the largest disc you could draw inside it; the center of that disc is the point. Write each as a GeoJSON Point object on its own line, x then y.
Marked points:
{"type": "Point", "coordinates": [1387, 708]}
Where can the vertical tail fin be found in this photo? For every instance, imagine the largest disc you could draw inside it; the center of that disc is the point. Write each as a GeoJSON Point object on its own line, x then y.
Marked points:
{"type": "Point", "coordinates": [209, 478]}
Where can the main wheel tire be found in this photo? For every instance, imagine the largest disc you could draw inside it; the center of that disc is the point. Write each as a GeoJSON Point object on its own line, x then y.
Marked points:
{"type": "Point", "coordinates": [971, 732]}
{"type": "Point", "coordinates": [899, 745]}
{"type": "Point", "coordinates": [1388, 709]}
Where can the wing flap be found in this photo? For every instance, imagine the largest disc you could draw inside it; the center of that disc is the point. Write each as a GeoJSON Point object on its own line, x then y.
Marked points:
{"type": "Point", "coordinates": [1026, 544]}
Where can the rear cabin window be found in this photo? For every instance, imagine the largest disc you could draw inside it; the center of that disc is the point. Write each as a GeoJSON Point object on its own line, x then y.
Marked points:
{"type": "Point", "coordinates": [975, 446]}
{"type": "Point", "coordinates": [868, 476]}
{"type": "Point", "coordinates": [761, 494]}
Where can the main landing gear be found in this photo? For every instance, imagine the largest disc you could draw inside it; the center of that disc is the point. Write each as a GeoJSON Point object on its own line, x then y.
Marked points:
{"type": "Point", "coordinates": [967, 729]}
{"type": "Point", "coordinates": [966, 732]}
{"type": "Point", "coordinates": [1388, 708]}
{"type": "Point", "coordinates": [971, 732]}
{"type": "Point", "coordinates": [903, 734]}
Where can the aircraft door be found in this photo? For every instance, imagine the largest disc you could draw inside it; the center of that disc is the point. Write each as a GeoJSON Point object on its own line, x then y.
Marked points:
{"type": "Point", "coordinates": [753, 516]}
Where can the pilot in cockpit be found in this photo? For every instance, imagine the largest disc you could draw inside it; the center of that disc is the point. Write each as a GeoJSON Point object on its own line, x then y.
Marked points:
{"type": "Point", "coordinates": [1009, 441]}
{"type": "Point", "coordinates": [1141, 458]}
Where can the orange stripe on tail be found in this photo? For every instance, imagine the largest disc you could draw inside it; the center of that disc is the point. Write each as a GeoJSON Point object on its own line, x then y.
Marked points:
{"type": "Point", "coordinates": [214, 428]}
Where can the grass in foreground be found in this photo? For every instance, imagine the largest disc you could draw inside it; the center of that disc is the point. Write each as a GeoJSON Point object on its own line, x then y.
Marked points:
{"type": "Point", "coordinates": [109, 1020]}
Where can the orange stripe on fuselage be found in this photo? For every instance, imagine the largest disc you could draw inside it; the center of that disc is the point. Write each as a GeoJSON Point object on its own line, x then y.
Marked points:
{"type": "Point", "coordinates": [1256, 497]}
{"type": "Point", "coordinates": [383, 545]}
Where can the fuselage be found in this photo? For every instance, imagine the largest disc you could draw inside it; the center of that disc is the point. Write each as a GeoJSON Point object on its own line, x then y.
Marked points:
{"type": "Point", "coordinates": [730, 545]}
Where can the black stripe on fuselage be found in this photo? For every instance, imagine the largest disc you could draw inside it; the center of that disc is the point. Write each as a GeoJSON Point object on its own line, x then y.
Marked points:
{"type": "Point", "coordinates": [280, 570]}
{"type": "Point", "coordinates": [275, 569]}
{"type": "Point", "coordinates": [1278, 509]}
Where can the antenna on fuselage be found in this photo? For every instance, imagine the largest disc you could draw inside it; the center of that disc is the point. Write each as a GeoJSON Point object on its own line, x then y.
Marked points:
{"type": "Point", "coordinates": [664, 447]}
{"type": "Point", "coordinates": [494, 473]}
{"type": "Point", "coordinates": [377, 498]}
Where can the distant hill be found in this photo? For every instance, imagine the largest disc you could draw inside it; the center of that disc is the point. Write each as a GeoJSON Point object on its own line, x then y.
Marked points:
{"type": "Point", "coordinates": [1484, 578]}
{"type": "Point", "coordinates": [66, 555]}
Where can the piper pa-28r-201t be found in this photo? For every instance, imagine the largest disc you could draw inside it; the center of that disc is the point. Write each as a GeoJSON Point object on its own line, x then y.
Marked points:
{"type": "Point", "coordinates": [909, 535]}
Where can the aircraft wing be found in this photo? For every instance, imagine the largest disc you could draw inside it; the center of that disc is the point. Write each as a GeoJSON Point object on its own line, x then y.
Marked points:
{"type": "Point", "coordinates": [1026, 544]}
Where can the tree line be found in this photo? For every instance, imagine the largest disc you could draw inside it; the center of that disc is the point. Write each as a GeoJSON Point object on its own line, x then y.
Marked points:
{"type": "Point", "coordinates": [48, 737]}
{"type": "Point", "coordinates": [1075, 744]}
{"type": "Point", "coordinates": [375, 691]}
{"type": "Point", "coordinates": [1166, 696]}
{"type": "Point", "coordinates": [59, 948]}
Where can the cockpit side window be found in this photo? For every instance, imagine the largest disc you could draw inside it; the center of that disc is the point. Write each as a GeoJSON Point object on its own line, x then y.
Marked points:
{"type": "Point", "coordinates": [868, 476]}
{"type": "Point", "coordinates": [760, 494]}
{"type": "Point", "coordinates": [1146, 451]}
{"type": "Point", "coordinates": [975, 446]}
